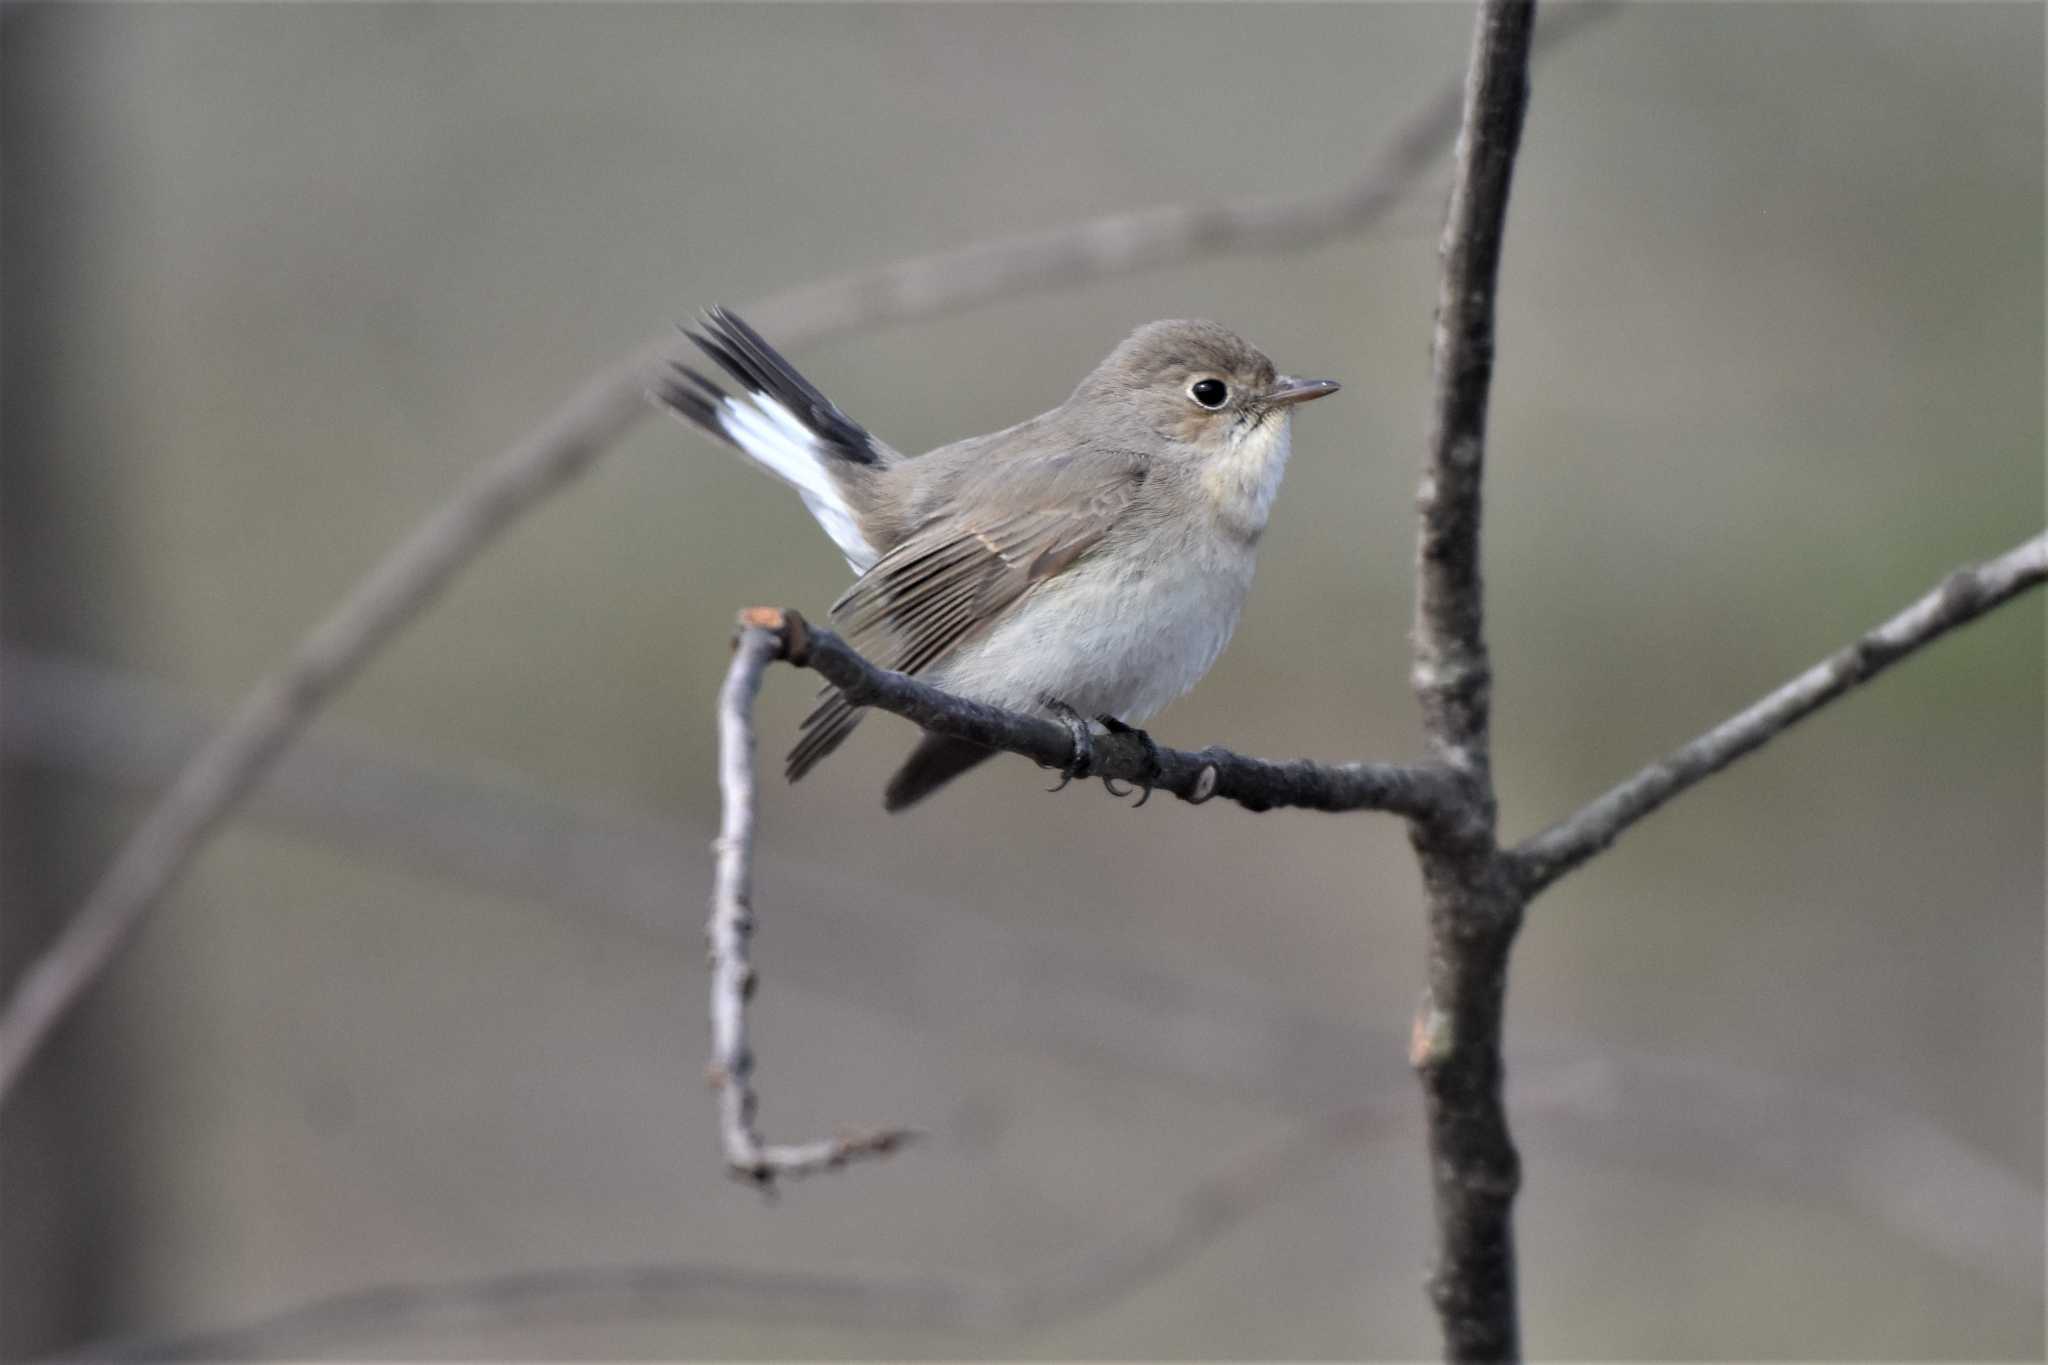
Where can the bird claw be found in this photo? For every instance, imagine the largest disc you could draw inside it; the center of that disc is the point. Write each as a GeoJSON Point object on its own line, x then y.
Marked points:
{"type": "Point", "coordinates": [1083, 761]}
{"type": "Point", "coordinates": [1117, 727]}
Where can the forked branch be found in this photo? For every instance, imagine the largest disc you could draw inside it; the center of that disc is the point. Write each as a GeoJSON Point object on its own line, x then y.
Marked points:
{"type": "Point", "coordinates": [1474, 907]}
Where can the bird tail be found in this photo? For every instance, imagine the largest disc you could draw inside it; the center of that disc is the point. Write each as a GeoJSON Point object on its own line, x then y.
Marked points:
{"type": "Point", "coordinates": [824, 730]}
{"type": "Point", "coordinates": [936, 760]}
{"type": "Point", "coordinates": [781, 422]}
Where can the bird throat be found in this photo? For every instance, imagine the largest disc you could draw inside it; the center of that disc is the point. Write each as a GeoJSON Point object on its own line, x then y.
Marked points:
{"type": "Point", "coordinates": [1242, 479]}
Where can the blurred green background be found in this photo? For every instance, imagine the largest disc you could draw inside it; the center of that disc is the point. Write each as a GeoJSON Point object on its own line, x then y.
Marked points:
{"type": "Point", "coordinates": [432, 1009]}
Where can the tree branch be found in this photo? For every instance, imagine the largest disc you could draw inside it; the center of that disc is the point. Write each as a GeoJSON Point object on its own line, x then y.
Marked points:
{"type": "Point", "coordinates": [1474, 906]}
{"type": "Point", "coordinates": [1452, 677]}
{"type": "Point", "coordinates": [1959, 599]}
{"type": "Point", "coordinates": [498, 492]}
{"type": "Point", "coordinates": [729, 931]}
{"type": "Point", "coordinates": [1417, 791]}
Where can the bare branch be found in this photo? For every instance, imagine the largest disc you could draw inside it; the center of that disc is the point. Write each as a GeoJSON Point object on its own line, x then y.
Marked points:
{"type": "Point", "coordinates": [1418, 791]}
{"type": "Point", "coordinates": [498, 492]}
{"type": "Point", "coordinates": [1959, 599]}
{"type": "Point", "coordinates": [730, 929]}
{"type": "Point", "coordinates": [1084, 1280]}
{"type": "Point", "coordinates": [1474, 907]}
{"type": "Point", "coordinates": [1452, 677]}
{"type": "Point", "coordinates": [1121, 243]}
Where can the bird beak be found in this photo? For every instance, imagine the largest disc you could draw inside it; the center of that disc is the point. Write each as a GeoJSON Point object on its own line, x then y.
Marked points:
{"type": "Point", "coordinates": [1287, 389]}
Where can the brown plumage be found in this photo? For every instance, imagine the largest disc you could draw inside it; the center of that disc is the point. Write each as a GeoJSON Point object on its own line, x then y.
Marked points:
{"type": "Point", "coordinates": [1095, 555]}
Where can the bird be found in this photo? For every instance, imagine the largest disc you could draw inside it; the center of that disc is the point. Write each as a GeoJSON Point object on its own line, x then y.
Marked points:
{"type": "Point", "coordinates": [1091, 561]}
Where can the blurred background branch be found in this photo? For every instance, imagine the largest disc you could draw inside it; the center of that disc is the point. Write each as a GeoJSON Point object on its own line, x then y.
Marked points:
{"type": "Point", "coordinates": [1896, 1167]}
{"type": "Point", "coordinates": [1147, 239]}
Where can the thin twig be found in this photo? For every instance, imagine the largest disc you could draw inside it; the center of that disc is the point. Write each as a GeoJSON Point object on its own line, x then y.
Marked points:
{"type": "Point", "coordinates": [1418, 791]}
{"type": "Point", "coordinates": [498, 492]}
{"type": "Point", "coordinates": [1474, 907]}
{"type": "Point", "coordinates": [731, 928]}
{"type": "Point", "coordinates": [1960, 598]}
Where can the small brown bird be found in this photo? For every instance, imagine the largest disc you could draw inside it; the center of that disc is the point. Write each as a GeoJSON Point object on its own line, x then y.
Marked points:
{"type": "Point", "coordinates": [1091, 561]}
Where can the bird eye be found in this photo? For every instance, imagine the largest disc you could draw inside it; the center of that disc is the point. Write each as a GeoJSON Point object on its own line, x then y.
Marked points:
{"type": "Point", "coordinates": [1210, 393]}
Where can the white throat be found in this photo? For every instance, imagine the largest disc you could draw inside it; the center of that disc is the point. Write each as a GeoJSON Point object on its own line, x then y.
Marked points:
{"type": "Point", "coordinates": [1244, 479]}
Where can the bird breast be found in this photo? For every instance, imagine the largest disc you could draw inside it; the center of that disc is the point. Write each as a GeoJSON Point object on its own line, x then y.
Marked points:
{"type": "Point", "coordinates": [1119, 634]}
{"type": "Point", "coordinates": [1136, 624]}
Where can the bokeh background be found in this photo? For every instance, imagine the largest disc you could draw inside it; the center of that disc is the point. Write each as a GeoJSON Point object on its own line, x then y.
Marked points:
{"type": "Point", "coordinates": [431, 1011]}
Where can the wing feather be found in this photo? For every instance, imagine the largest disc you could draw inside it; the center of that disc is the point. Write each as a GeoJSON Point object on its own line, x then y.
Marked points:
{"type": "Point", "coordinates": [955, 575]}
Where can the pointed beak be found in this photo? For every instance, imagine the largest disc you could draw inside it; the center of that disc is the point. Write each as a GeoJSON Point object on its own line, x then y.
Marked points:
{"type": "Point", "coordinates": [1287, 389]}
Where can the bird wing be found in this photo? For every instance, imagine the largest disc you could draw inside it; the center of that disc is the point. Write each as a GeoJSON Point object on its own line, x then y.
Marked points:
{"type": "Point", "coordinates": [964, 566]}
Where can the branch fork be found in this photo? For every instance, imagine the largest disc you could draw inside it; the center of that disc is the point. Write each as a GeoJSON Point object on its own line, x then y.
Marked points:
{"type": "Point", "coordinates": [1477, 891]}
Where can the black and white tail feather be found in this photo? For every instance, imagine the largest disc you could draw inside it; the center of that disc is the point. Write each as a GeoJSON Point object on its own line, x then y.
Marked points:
{"type": "Point", "coordinates": [780, 422]}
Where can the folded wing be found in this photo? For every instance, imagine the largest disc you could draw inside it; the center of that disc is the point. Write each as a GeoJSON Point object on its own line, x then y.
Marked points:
{"type": "Point", "coordinates": [961, 571]}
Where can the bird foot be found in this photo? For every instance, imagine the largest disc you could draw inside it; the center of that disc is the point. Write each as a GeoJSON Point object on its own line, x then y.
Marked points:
{"type": "Point", "coordinates": [1083, 761]}
{"type": "Point", "coordinates": [1152, 765]}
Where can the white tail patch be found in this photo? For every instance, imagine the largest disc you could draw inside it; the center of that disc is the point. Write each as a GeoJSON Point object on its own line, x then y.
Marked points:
{"type": "Point", "coordinates": [770, 434]}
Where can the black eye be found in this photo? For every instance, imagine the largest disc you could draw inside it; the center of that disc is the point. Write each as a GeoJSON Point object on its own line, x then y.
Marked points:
{"type": "Point", "coordinates": [1210, 393]}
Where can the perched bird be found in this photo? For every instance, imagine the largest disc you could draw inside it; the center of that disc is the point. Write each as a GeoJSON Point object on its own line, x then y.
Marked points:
{"type": "Point", "coordinates": [1091, 561]}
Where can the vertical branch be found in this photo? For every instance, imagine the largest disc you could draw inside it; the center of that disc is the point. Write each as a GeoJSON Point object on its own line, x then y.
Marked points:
{"type": "Point", "coordinates": [1452, 677]}
{"type": "Point", "coordinates": [762, 640]}
{"type": "Point", "coordinates": [732, 900]}
{"type": "Point", "coordinates": [1474, 905]}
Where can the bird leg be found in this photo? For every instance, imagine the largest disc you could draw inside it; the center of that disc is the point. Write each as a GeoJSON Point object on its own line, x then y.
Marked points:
{"type": "Point", "coordinates": [1084, 743]}
{"type": "Point", "coordinates": [1117, 727]}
